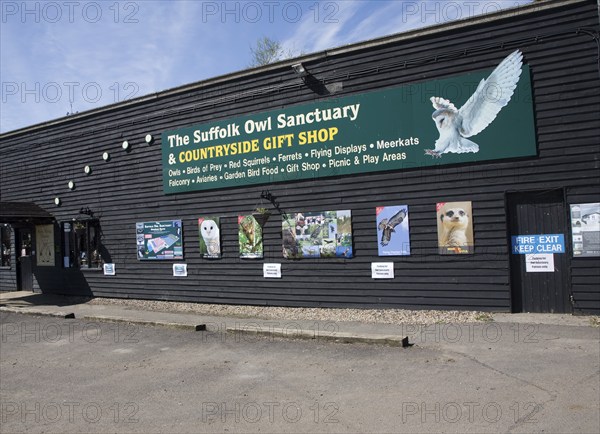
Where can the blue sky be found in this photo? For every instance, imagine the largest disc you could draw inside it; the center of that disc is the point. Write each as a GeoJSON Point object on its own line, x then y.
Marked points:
{"type": "Point", "coordinates": [65, 56]}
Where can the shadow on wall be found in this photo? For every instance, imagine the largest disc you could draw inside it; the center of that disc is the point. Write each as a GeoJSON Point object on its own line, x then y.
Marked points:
{"type": "Point", "coordinates": [54, 280]}
{"type": "Point", "coordinates": [26, 299]}
{"type": "Point", "coordinates": [67, 281]}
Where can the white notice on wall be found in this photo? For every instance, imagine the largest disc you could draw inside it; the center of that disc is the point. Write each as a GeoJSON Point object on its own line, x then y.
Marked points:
{"type": "Point", "coordinates": [180, 270]}
{"type": "Point", "coordinates": [382, 270]}
{"type": "Point", "coordinates": [109, 269]}
{"type": "Point", "coordinates": [539, 263]}
{"type": "Point", "coordinates": [272, 271]}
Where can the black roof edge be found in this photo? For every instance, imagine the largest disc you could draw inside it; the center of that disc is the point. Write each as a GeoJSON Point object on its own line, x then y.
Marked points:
{"type": "Point", "coordinates": [16, 212]}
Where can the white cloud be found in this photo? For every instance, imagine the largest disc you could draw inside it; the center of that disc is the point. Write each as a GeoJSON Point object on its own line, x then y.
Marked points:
{"type": "Point", "coordinates": [363, 20]}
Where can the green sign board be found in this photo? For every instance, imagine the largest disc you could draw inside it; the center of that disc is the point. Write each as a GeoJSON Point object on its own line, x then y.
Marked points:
{"type": "Point", "coordinates": [428, 124]}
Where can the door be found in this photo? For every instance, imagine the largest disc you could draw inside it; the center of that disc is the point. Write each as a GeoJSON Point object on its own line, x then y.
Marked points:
{"type": "Point", "coordinates": [24, 244]}
{"type": "Point", "coordinates": [538, 259]}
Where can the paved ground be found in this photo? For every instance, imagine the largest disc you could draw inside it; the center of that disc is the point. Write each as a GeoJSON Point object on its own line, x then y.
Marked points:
{"type": "Point", "coordinates": [87, 375]}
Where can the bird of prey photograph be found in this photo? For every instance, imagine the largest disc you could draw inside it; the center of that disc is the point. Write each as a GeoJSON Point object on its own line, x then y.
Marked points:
{"type": "Point", "coordinates": [480, 110]}
{"type": "Point", "coordinates": [392, 230]}
{"type": "Point", "coordinates": [387, 226]}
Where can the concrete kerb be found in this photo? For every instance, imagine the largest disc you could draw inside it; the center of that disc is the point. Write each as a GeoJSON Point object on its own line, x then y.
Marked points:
{"type": "Point", "coordinates": [103, 318]}
{"type": "Point", "coordinates": [249, 327]}
{"type": "Point", "coordinates": [40, 312]}
{"type": "Point", "coordinates": [342, 332]}
{"type": "Point", "coordinates": [175, 325]}
{"type": "Point", "coordinates": [337, 336]}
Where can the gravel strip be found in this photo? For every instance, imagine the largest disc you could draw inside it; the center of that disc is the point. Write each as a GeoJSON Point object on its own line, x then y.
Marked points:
{"type": "Point", "coordinates": [376, 316]}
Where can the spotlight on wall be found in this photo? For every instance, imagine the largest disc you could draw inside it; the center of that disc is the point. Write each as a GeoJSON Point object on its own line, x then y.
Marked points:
{"type": "Point", "coordinates": [125, 145]}
{"type": "Point", "coordinates": [299, 69]}
{"type": "Point", "coordinates": [149, 138]}
{"type": "Point", "coordinates": [313, 83]}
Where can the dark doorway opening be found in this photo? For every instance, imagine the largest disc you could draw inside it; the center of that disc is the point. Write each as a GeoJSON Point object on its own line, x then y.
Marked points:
{"type": "Point", "coordinates": [537, 213]}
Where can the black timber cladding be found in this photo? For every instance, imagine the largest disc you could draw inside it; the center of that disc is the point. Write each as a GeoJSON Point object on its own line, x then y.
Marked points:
{"type": "Point", "coordinates": [35, 166]}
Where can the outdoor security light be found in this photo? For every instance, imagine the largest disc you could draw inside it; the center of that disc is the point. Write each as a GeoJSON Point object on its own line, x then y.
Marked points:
{"type": "Point", "coordinates": [299, 69]}
{"type": "Point", "coordinates": [71, 185]}
{"type": "Point", "coordinates": [87, 170]}
{"type": "Point", "coordinates": [57, 201]}
{"type": "Point", "coordinates": [106, 156]}
{"type": "Point", "coordinates": [148, 138]}
{"type": "Point", "coordinates": [125, 145]}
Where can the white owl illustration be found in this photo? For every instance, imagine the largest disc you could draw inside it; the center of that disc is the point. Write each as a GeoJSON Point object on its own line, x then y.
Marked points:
{"type": "Point", "coordinates": [478, 112]}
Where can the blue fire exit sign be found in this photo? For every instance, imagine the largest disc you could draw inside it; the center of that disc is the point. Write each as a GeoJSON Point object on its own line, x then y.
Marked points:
{"type": "Point", "coordinates": [545, 243]}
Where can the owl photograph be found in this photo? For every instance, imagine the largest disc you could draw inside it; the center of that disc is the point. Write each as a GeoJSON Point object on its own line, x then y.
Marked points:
{"type": "Point", "coordinates": [210, 237]}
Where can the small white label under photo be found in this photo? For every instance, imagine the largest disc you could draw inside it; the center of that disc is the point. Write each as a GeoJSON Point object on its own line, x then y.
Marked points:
{"type": "Point", "coordinates": [180, 270]}
{"type": "Point", "coordinates": [539, 263]}
{"type": "Point", "coordinates": [272, 271]}
{"type": "Point", "coordinates": [382, 270]}
{"type": "Point", "coordinates": [109, 269]}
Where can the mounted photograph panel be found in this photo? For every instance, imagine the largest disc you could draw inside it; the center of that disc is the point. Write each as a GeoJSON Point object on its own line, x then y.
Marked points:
{"type": "Point", "coordinates": [585, 229]}
{"type": "Point", "coordinates": [325, 234]}
{"type": "Point", "coordinates": [393, 230]}
{"type": "Point", "coordinates": [455, 228]}
{"type": "Point", "coordinates": [250, 237]}
{"type": "Point", "coordinates": [159, 240]}
{"type": "Point", "coordinates": [210, 237]}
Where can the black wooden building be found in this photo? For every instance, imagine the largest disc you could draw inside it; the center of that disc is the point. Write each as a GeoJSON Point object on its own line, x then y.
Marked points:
{"type": "Point", "coordinates": [72, 191]}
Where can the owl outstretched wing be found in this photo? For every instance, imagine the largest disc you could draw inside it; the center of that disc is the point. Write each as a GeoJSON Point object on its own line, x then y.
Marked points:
{"type": "Point", "coordinates": [491, 95]}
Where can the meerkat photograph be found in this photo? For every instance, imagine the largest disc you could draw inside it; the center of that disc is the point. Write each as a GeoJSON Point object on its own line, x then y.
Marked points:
{"type": "Point", "coordinates": [455, 228]}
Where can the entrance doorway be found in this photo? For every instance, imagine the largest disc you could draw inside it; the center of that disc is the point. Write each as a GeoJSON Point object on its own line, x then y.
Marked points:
{"type": "Point", "coordinates": [23, 246]}
{"type": "Point", "coordinates": [539, 213]}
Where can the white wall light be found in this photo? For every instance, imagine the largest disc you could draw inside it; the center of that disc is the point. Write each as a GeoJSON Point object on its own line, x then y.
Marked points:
{"type": "Point", "coordinates": [106, 156]}
{"type": "Point", "coordinates": [125, 145]}
{"type": "Point", "coordinates": [149, 138]}
{"type": "Point", "coordinates": [299, 69]}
